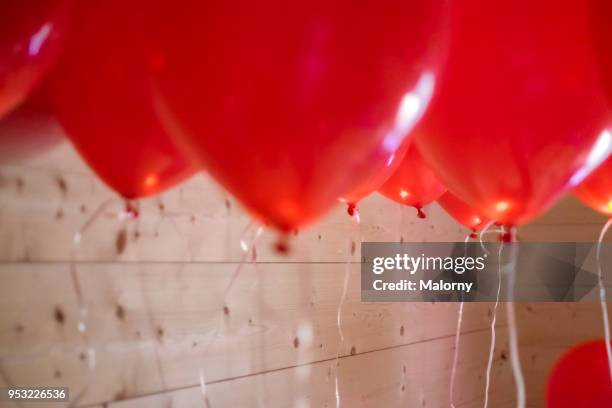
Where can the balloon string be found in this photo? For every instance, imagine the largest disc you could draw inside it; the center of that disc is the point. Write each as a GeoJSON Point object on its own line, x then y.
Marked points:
{"type": "Point", "coordinates": [340, 332]}
{"type": "Point", "coordinates": [494, 320]}
{"type": "Point", "coordinates": [243, 243]}
{"type": "Point", "coordinates": [76, 240]}
{"type": "Point", "coordinates": [451, 390]}
{"type": "Point", "coordinates": [247, 247]}
{"type": "Point", "coordinates": [482, 233]}
{"type": "Point", "coordinates": [602, 295]}
{"type": "Point", "coordinates": [402, 222]}
{"type": "Point", "coordinates": [456, 355]}
{"type": "Point", "coordinates": [515, 361]}
{"type": "Point", "coordinates": [355, 220]}
{"type": "Point", "coordinates": [76, 283]}
{"type": "Point", "coordinates": [203, 389]}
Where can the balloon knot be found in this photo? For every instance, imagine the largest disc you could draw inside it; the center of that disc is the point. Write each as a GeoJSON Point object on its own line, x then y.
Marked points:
{"type": "Point", "coordinates": [473, 235]}
{"type": "Point", "coordinates": [351, 209]}
{"type": "Point", "coordinates": [420, 213]}
{"type": "Point", "coordinates": [282, 245]}
{"type": "Point", "coordinates": [506, 237]}
{"type": "Point", "coordinates": [131, 209]}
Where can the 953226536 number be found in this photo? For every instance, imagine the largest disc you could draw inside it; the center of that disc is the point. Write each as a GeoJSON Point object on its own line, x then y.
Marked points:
{"type": "Point", "coordinates": [34, 394]}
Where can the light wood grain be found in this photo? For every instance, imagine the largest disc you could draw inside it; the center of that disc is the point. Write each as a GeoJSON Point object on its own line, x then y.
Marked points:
{"type": "Point", "coordinates": [415, 375]}
{"type": "Point", "coordinates": [154, 326]}
{"type": "Point", "coordinates": [153, 289]}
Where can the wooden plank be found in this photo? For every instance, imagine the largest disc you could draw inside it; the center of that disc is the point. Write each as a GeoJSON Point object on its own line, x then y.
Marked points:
{"type": "Point", "coordinates": [405, 376]}
{"type": "Point", "coordinates": [545, 323]}
{"type": "Point", "coordinates": [153, 326]}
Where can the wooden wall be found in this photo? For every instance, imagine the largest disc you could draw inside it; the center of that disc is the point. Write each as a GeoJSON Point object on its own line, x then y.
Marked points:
{"type": "Point", "coordinates": [151, 295]}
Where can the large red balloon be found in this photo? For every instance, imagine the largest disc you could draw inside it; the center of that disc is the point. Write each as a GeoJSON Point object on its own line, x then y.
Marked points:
{"type": "Point", "coordinates": [287, 103]}
{"type": "Point", "coordinates": [581, 378]}
{"type": "Point", "coordinates": [462, 212]}
{"type": "Point", "coordinates": [520, 113]}
{"type": "Point", "coordinates": [101, 94]}
{"type": "Point", "coordinates": [413, 183]}
{"type": "Point", "coordinates": [30, 36]}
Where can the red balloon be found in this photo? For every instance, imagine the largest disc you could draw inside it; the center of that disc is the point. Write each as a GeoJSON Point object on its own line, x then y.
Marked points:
{"type": "Point", "coordinates": [596, 189]}
{"type": "Point", "coordinates": [287, 103]}
{"type": "Point", "coordinates": [383, 166]}
{"type": "Point", "coordinates": [30, 37]}
{"type": "Point", "coordinates": [462, 212]}
{"type": "Point", "coordinates": [581, 378]}
{"type": "Point", "coordinates": [520, 113]}
{"type": "Point", "coordinates": [413, 183]}
{"type": "Point", "coordinates": [102, 96]}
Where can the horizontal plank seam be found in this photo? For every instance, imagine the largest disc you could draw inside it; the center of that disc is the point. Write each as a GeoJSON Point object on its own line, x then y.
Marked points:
{"type": "Point", "coordinates": [238, 377]}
